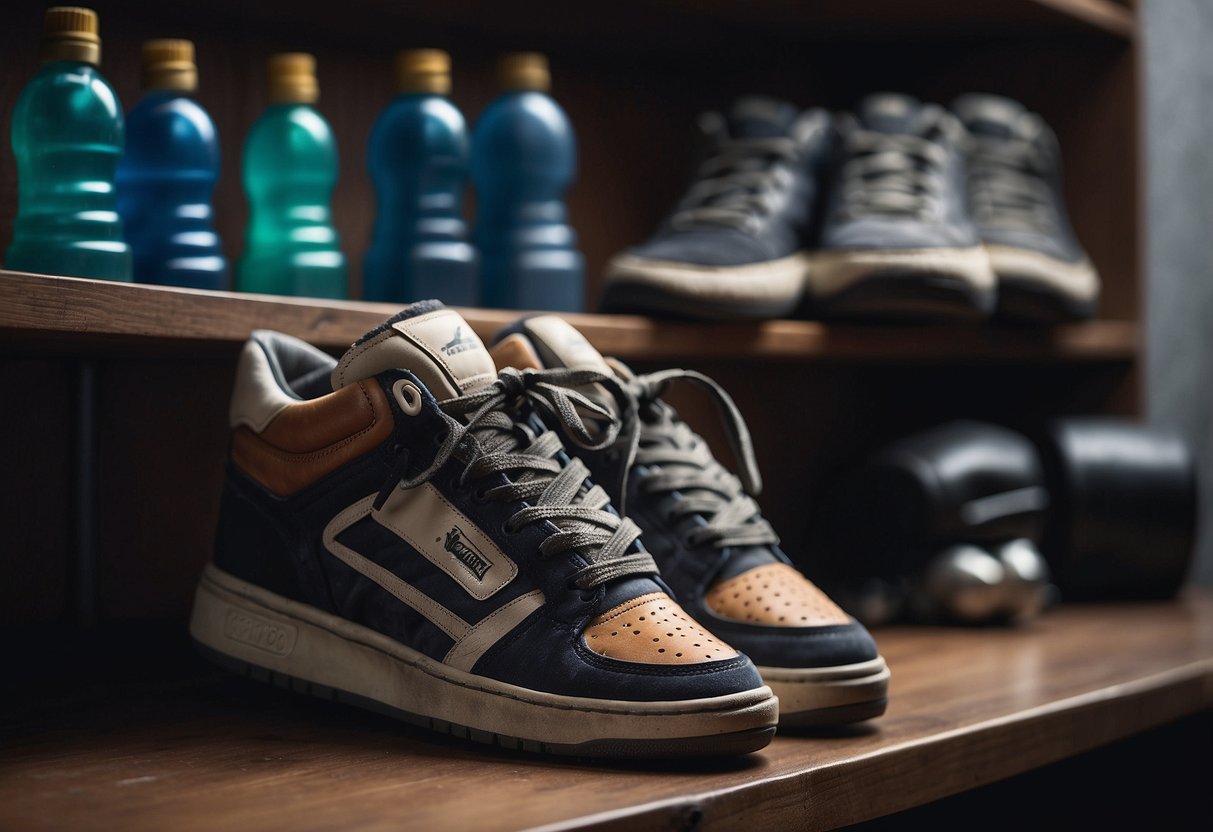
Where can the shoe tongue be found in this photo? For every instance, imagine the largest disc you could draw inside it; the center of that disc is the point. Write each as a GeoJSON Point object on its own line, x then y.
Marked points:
{"type": "Point", "coordinates": [991, 115]}
{"type": "Point", "coordinates": [888, 112]}
{"type": "Point", "coordinates": [432, 342]}
{"type": "Point", "coordinates": [558, 344]}
{"type": "Point", "coordinates": [757, 117]}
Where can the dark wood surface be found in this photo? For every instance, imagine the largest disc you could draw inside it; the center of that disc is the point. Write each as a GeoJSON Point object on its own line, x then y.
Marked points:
{"type": "Point", "coordinates": [162, 741]}
{"type": "Point", "coordinates": [70, 314]}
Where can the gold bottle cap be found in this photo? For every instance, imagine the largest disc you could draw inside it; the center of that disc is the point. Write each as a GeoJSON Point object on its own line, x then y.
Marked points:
{"type": "Point", "coordinates": [518, 71]}
{"type": "Point", "coordinates": [292, 79]}
{"type": "Point", "coordinates": [423, 70]}
{"type": "Point", "coordinates": [70, 33]}
{"type": "Point", "coordinates": [168, 64]}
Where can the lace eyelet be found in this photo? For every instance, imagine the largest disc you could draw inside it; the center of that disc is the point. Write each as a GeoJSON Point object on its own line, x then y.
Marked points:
{"type": "Point", "coordinates": [505, 529]}
{"type": "Point", "coordinates": [480, 497]}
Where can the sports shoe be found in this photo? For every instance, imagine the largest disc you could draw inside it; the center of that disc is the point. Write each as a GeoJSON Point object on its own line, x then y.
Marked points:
{"type": "Point", "coordinates": [897, 240]}
{"type": "Point", "coordinates": [399, 531]}
{"type": "Point", "coordinates": [714, 548]}
{"type": "Point", "coordinates": [1015, 186]}
{"type": "Point", "coordinates": [734, 247]}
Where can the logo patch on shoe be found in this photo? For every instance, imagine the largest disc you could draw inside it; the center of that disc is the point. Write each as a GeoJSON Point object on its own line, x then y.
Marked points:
{"type": "Point", "coordinates": [460, 343]}
{"type": "Point", "coordinates": [456, 350]}
{"type": "Point", "coordinates": [254, 630]}
{"type": "Point", "coordinates": [432, 525]}
{"type": "Point", "coordinates": [466, 553]}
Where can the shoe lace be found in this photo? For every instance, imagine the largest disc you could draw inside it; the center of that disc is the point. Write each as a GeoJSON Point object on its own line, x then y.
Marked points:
{"type": "Point", "coordinates": [676, 460]}
{"type": "Point", "coordinates": [892, 174]}
{"type": "Point", "coordinates": [737, 184]}
{"type": "Point", "coordinates": [492, 431]}
{"type": "Point", "coordinates": [1008, 184]}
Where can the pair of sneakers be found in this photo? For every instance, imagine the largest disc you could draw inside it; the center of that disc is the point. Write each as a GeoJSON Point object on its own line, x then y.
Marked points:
{"type": "Point", "coordinates": [454, 536]}
{"type": "Point", "coordinates": [898, 210]}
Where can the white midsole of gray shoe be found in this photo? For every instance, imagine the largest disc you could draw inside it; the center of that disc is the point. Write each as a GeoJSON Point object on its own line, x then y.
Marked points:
{"type": "Point", "coordinates": [834, 271]}
{"type": "Point", "coordinates": [814, 688]}
{"type": "Point", "coordinates": [261, 628]}
{"type": "Point", "coordinates": [1078, 281]}
{"type": "Point", "coordinates": [775, 281]}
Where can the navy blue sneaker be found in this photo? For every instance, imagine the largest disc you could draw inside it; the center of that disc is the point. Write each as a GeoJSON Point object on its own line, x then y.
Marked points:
{"type": "Point", "coordinates": [735, 245]}
{"type": "Point", "coordinates": [897, 239]}
{"type": "Point", "coordinates": [1015, 184]}
{"type": "Point", "coordinates": [717, 552]}
{"type": "Point", "coordinates": [398, 530]}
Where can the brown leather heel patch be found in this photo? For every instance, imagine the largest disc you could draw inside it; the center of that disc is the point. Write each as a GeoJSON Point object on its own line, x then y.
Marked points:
{"type": "Point", "coordinates": [515, 351]}
{"type": "Point", "coordinates": [653, 629]}
{"type": "Point", "coordinates": [775, 595]}
{"type": "Point", "coordinates": [311, 439]}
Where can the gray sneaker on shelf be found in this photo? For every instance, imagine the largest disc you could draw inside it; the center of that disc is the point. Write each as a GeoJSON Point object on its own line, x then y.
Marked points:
{"type": "Point", "coordinates": [898, 241]}
{"type": "Point", "coordinates": [735, 245]}
{"type": "Point", "coordinates": [1015, 186]}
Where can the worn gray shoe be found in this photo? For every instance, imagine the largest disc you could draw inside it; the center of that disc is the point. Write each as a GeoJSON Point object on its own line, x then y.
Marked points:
{"type": "Point", "coordinates": [734, 246]}
{"type": "Point", "coordinates": [1015, 186]}
{"type": "Point", "coordinates": [898, 241]}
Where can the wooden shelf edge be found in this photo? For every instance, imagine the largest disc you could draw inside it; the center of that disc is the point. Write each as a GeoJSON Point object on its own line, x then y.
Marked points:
{"type": "Point", "coordinates": [1104, 15]}
{"type": "Point", "coordinates": [928, 768]}
{"type": "Point", "coordinates": [73, 312]}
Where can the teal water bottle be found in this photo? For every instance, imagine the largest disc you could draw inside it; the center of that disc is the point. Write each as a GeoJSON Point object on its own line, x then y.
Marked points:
{"type": "Point", "coordinates": [290, 169]}
{"type": "Point", "coordinates": [167, 175]}
{"type": "Point", "coordinates": [67, 136]}
{"type": "Point", "coordinates": [418, 161]}
{"type": "Point", "coordinates": [524, 157]}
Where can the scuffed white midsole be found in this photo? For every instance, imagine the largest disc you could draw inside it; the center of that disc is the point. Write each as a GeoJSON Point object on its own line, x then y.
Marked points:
{"type": "Point", "coordinates": [775, 281]}
{"type": "Point", "coordinates": [813, 688]}
{"type": "Point", "coordinates": [261, 628]}
{"type": "Point", "coordinates": [834, 271]}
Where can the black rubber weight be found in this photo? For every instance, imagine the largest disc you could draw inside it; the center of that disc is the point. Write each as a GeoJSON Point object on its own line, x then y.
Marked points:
{"type": "Point", "coordinates": [720, 745]}
{"type": "Point", "coordinates": [914, 297]}
{"type": "Point", "coordinates": [641, 299]}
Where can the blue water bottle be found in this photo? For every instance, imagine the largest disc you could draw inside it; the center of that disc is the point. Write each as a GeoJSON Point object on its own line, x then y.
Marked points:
{"type": "Point", "coordinates": [168, 173]}
{"type": "Point", "coordinates": [418, 161]}
{"type": "Point", "coordinates": [524, 157]}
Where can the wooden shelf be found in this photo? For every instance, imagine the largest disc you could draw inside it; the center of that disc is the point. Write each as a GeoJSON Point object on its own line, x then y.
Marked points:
{"type": "Point", "coordinates": [74, 314]}
{"type": "Point", "coordinates": [191, 748]}
{"type": "Point", "coordinates": [670, 25]}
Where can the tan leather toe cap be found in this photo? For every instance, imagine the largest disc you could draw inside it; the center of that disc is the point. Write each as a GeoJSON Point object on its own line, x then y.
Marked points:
{"type": "Point", "coordinates": [774, 595]}
{"type": "Point", "coordinates": [653, 629]}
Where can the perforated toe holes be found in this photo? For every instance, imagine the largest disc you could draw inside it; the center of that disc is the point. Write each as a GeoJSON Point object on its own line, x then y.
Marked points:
{"type": "Point", "coordinates": [775, 595]}
{"type": "Point", "coordinates": [653, 629]}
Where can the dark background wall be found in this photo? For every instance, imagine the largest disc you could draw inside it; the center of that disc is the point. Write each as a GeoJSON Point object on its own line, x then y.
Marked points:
{"type": "Point", "coordinates": [1178, 88]}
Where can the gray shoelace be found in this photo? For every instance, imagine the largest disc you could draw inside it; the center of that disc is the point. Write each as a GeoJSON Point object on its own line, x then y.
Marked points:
{"type": "Point", "coordinates": [676, 460]}
{"type": "Point", "coordinates": [739, 184]}
{"type": "Point", "coordinates": [490, 432]}
{"type": "Point", "coordinates": [892, 174]}
{"type": "Point", "coordinates": [1006, 177]}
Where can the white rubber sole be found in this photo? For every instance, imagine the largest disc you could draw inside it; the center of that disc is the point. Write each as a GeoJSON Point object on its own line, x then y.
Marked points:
{"type": "Point", "coordinates": [829, 695]}
{"type": "Point", "coordinates": [765, 289]}
{"type": "Point", "coordinates": [272, 637]}
{"type": "Point", "coordinates": [1078, 282]}
{"type": "Point", "coordinates": [835, 271]}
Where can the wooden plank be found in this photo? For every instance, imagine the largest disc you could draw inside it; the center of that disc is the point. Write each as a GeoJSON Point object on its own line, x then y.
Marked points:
{"type": "Point", "coordinates": [1111, 17]}
{"type": "Point", "coordinates": [96, 315]}
{"type": "Point", "coordinates": [967, 707]}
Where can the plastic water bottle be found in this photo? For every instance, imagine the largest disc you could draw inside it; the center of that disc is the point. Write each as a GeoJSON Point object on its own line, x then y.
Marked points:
{"type": "Point", "coordinates": [524, 157]}
{"type": "Point", "coordinates": [67, 136]}
{"type": "Point", "coordinates": [290, 169]}
{"type": "Point", "coordinates": [418, 161]}
{"type": "Point", "coordinates": [168, 173]}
